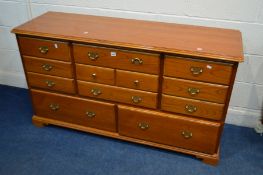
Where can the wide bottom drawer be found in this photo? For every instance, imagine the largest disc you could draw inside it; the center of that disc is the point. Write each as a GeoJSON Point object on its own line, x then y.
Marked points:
{"type": "Point", "coordinates": [174, 130]}
{"type": "Point", "coordinates": [75, 110]}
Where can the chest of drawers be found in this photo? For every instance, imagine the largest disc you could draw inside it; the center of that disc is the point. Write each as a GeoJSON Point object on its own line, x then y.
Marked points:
{"type": "Point", "coordinates": [158, 84]}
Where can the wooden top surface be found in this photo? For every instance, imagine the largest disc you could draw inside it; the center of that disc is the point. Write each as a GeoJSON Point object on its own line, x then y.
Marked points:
{"type": "Point", "coordinates": [216, 43]}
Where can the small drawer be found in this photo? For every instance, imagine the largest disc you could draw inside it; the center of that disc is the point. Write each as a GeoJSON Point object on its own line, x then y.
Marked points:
{"type": "Point", "coordinates": [95, 74]}
{"type": "Point", "coordinates": [195, 90]}
{"type": "Point", "coordinates": [191, 107]}
{"type": "Point", "coordinates": [206, 71]}
{"type": "Point", "coordinates": [75, 110]}
{"type": "Point", "coordinates": [114, 58]}
{"type": "Point", "coordinates": [44, 48]}
{"type": "Point", "coordinates": [117, 94]}
{"type": "Point", "coordinates": [136, 80]}
{"type": "Point", "coordinates": [51, 82]}
{"type": "Point", "coordinates": [168, 129]}
{"type": "Point", "coordinates": [49, 67]}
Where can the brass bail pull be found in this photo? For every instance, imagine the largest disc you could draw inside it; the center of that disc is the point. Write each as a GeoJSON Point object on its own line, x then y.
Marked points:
{"type": "Point", "coordinates": [93, 56]}
{"type": "Point", "coordinates": [137, 61]}
{"type": "Point", "coordinates": [143, 125]}
{"type": "Point", "coordinates": [43, 49]}
{"type": "Point", "coordinates": [196, 70]}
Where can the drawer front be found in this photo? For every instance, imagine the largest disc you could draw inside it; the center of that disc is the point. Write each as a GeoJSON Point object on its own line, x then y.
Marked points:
{"type": "Point", "coordinates": [51, 82]}
{"type": "Point", "coordinates": [174, 130]}
{"type": "Point", "coordinates": [122, 95]}
{"type": "Point", "coordinates": [192, 107]}
{"type": "Point", "coordinates": [46, 66]}
{"type": "Point", "coordinates": [106, 57]}
{"type": "Point", "coordinates": [75, 110]}
{"type": "Point", "coordinates": [136, 80]}
{"type": "Point", "coordinates": [95, 74]}
{"type": "Point", "coordinates": [195, 90]}
{"type": "Point", "coordinates": [198, 70]}
{"type": "Point", "coordinates": [44, 48]}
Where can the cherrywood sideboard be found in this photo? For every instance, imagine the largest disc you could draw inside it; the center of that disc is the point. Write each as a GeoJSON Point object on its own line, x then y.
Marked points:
{"type": "Point", "coordinates": [159, 84]}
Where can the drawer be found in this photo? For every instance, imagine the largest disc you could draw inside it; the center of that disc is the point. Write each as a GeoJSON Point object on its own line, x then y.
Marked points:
{"type": "Point", "coordinates": [192, 107]}
{"type": "Point", "coordinates": [74, 110]}
{"type": "Point", "coordinates": [114, 58]}
{"type": "Point", "coordinates": [46, 66]}
{"type": "Point", "coordinates": [51, 82]}
{"type": "Point", "coordinates": [174, 130]}
{"type": "Point", "coordinates": [44, 48]}
{"type": "Point", "coordinates": [95, 74]}
{"type": "Point", "coordinates": [117, 94]}
{"type": "Point", "coordinates": [198, 70]}
{"type": "Point", "coordinates": [136, 80]}
{"type": "Point", "coordinates": [195, 90]}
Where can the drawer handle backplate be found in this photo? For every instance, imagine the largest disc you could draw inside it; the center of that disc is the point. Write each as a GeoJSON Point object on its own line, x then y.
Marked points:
{"type": "Point", "coordinates": [90, 114]}
{"type": "Point", "coordinates": [50, 83]}
{"type": "Point", "coordinates": [54, 107]}
{"type": "Point", "coordinates": [187, 134]}
{"type": "Point", "coordinates": [47, 67]}
{"type": "Point", "coordinates": [95, 92]}
{"type": "Point", "coordinates": [93, 56]}
{"type": "Point", "coordinates": [136, 61]}
{"type": "Point", "coordinates": [136, 99]}
{"type": "Point", "coordinates": [193, 91]}
{"type": "Point", "coordinates": [196, 70]}
{"type": "Point", "coordinates": [190, 108]}
{"type": "Point", "coordinates": [143, 126]}
{"type": "Point", "coordinates": [43, 49]}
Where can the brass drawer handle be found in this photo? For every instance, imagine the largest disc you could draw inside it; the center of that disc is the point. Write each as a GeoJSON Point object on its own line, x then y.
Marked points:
{"type": "Point", "coordinates": [94, 76]}
{"type": "Point", "coordinates": [90, 114]}
{"type": "Point", "coordinates": [54, 107]}
{"type": "Point", "coordinates": [193, 91]}
{"type": "Point", "coordinates": [43, 49]}
{"type": "Point", "coordinates": [47, 67]}
{"type": "Point", "coordinates": [50, 83]}
{"type": "Point", "coordinates": [136, 61]}
{"type": "Point", "coordinates": [187, 134]}
{"type": "Point", "coordinates": [143, 126]}
{"type": "Point", "coordinates": [95, 92]}
{"type": "Point", "coordinates": [196, 70]}
{"type": "Point", "coordinates": [136, 99]}
{"type": "Point", "coordinates": [190, 108]}
{"type": "Point", "coordinates": [93, 56]}
{"type": "Point", "coordinates": [136, 83]}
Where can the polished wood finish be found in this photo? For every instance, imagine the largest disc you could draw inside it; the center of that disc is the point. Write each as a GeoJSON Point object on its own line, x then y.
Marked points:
{"type": "Point", "coordinates": [213, 43]}
{"type": "Point", "coordinates": [122, 59]}
{"type": "Point", "coordinates": [75, 110]}
{"type": "Point", "coordinates": [57, 68]}
{"type": "Point", "coordinates": [211, 159]}
{"type": "Point", "coordinates": [113, 93]}
{"type": "Point", "coordinates": [204, 133]}
{"type": "Point", "coordinates": [57, 50]}
{"type": "Point", "coordinates": [213, 72]}
{"type": "Point", "coordinates": [165, 58]}
{"type": "Point", "coordinates": [95, 74]}
{"type": "Point", "coordinates": [59, 84]}
{"type": "Point", "coordinates": [183, 106]}
{"type": "Point", "coordinates": [136, 80]}
{"type": "Point", "coordinates": [195, 90]}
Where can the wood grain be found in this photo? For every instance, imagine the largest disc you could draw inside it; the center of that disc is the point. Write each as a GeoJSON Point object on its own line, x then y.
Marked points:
{"type": "Point", "coordinates": [65, 85]}
{"type": "Point", "coordinates": [57, 50]}
{"type": "Point", "coordinates": [136, 80]}
{"type": "Point", "coordinates": [203, 109]}
{"type": "Point", "coordinates": [206, 91]}
{"type": "Point", "coordinates": [167, 129]}
{"type": "Point", "coordinates": [117, 94]}
{"type": "Point", "coordinates": [59, 68]}
{"type": "Point", "coordinates": [74, 110]}
{"type": "Point", "coordinates": [213, 72]}
{"type": "Point", "coordinates": [121, 60]}
{"type": "Point", "coordinates": [214, 43]}
{"type": "Point", "coordinates": [102, 75]}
